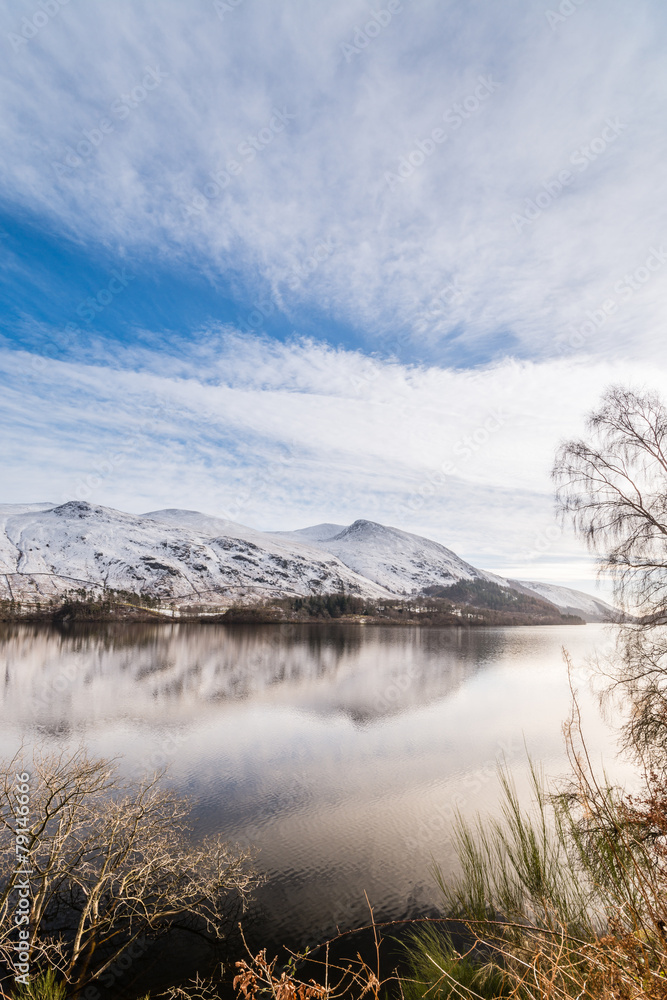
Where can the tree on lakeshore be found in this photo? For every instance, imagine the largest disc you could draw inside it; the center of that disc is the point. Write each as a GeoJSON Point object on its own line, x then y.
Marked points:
{"type": "Point", "coordinates": [567, 896]}
{"type": "Point", "coordinates": [613, 488]}
{"type": "Point", "coordinates": [111, 862]}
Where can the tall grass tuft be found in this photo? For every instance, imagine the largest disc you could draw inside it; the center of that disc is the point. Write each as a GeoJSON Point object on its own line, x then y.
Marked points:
{"type": "Point", "coordinates": [566, 898]}
{"type": "Point", "coordinates": [437, 971]}
{"type": "Point", "coordinates": [44, 986]}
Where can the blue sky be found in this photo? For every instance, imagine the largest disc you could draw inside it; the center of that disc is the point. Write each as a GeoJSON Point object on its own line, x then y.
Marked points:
{"type": "Point", "coordinates": [302, 262]}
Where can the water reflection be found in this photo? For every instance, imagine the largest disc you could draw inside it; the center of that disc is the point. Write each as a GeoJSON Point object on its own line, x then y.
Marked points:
{"type": "Point", "coordinates": [341, 751]}
{"type": "Point", "coordinates": [363, 672]}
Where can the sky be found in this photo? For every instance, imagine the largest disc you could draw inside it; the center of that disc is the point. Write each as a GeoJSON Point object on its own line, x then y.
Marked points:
{"type": "Point", "coordinates": [291, 262]}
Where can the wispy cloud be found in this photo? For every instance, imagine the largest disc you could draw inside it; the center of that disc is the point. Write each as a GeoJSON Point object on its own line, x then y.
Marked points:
{"type": "Point", "coordinates": [281, 435]}
{"type": "Point", "coordinates": [347, 123]}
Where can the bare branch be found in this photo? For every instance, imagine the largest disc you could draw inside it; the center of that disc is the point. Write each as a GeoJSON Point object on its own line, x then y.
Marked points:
{"type": "Point", "coordinates": [110, 861]}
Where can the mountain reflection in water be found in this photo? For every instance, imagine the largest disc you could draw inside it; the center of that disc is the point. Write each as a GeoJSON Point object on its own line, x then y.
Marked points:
{"type": "Point", "coordinates": [341, 751]}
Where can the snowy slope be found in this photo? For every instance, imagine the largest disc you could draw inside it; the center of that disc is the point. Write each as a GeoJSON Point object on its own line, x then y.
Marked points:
{"type": "Point", "coordinates": [204, 524]}
{"type": "Point", "coordinates": [396, 560]}
{"type": "Point", "coordinates": [571, 602]}
{"type": "Point", "coordinates": [317, 533]}
{"type": "Point", "coordinates": [77, 543]}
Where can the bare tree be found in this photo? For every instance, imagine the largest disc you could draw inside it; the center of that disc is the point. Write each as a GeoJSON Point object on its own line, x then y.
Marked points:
{"type": "Point", "coordinates": [615, 490]}
{"type": "Point", "coordinates": [110, 861]}
{"type": "Point", "coordinates": [613, 487]}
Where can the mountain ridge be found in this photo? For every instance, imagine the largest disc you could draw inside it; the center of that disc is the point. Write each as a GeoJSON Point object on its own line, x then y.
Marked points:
{"type": "Point", "coordinates": [184, 556]}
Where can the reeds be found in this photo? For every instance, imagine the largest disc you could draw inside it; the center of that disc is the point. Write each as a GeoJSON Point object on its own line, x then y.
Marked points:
{"type": "Point", "coordinates": [564, 898]}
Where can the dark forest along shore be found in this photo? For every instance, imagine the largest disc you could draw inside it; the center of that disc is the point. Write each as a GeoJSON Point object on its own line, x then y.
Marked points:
{"type": "Point", "coordinates": [340, 751]}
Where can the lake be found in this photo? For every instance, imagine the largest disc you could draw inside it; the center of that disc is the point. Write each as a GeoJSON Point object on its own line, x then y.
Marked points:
{"type": "Point", "coordinates": [340, 750]}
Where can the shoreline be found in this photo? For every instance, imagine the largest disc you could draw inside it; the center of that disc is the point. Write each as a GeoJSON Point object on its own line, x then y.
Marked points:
{"type": "Point", "coordinates": [67, 616]}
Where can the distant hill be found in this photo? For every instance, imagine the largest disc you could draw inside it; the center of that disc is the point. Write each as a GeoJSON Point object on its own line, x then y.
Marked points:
{"type": "Point", "coordinates": [570, 602]}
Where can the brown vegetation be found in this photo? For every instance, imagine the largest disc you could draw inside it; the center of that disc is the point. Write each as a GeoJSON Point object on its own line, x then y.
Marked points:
{"type": "Point", "coordinates": [110, 861]}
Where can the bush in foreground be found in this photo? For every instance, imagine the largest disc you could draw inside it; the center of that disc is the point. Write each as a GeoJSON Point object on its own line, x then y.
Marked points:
{"type": "Point", "coordinates": [111, 862]}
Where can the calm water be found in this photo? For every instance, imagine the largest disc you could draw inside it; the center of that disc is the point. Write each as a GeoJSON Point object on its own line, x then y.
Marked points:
{"type": "Point", "coordinates": [340, 751]}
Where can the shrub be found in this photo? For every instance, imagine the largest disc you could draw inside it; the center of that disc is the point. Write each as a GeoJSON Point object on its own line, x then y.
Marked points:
{"type": "Point", "coordinates": [111, 861]}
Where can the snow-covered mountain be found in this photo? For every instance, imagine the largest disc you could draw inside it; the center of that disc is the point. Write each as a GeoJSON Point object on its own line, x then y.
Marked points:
{"type": "Point", "coordinates": [188, 557]}
{"type": "Point", "coordinates": [396, 560]}
{"type": "Point", "coordinates": [404, 563]}
{"type": "Point", "coordinates": [167, 554]}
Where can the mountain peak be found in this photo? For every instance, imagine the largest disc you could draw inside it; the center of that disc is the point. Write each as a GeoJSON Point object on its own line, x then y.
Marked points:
{"type": "Point", "coordinates": [73, 507]}
{"type": "Point", "coordinates": [362, 525]}
{"type": "Point", "coordinates": [373, 532]}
